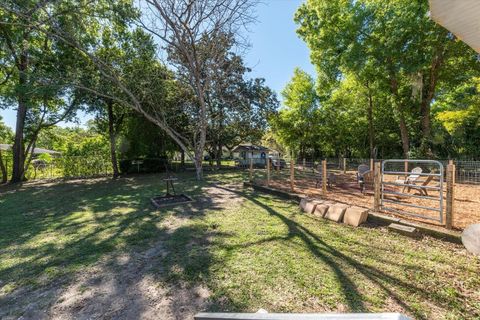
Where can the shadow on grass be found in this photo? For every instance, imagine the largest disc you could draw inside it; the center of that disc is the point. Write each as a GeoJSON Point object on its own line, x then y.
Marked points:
{"type": "Point", "coordinates": [170, 265]}
{"type": "Point", "coordinates": [51, 232]}
{"type": "Point", "coordinates": [330, 256]}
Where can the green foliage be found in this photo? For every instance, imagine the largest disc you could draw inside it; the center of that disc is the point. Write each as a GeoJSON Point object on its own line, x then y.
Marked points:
{"type": "Point", "coordinates": [458, 113]}
{"type": "Point", "coordinates": [388, 56]}
{"type": "Point", "coordinates": [252, 250]}
{"type": "Point", "coordinates": [296, 124]}
{"type": "Point", "coordinates": [6, 133]}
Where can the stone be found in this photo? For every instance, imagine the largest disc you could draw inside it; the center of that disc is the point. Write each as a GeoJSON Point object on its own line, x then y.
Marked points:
{"type": "Point", "coordinates": [405, 230]}
{"type": "Point", "coordinates": [321, 209]}
{"type": "Point", "coordinates": [336, 212]}
{"type": "Point", "coordinates": [355, 216]}
{"type": "Point", "coordinates": [311, 205]}
{"type": "Point", "coordinates": [471, 238]}
{"type": "Point", "coordinates": [308, 205]}
{"type": "Point", "coordinates": [303, 203]}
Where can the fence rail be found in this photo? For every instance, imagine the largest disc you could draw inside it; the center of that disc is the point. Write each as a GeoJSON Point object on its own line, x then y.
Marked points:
{"type": "Point", "coordinates": [467, 171]}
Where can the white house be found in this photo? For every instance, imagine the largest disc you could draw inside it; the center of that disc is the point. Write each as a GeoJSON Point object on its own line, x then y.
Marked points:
{"type": "Point", "coordinates": [244, 152]}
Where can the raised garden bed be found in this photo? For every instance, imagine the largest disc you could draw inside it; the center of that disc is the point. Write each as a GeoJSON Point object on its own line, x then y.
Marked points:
{"type": "Point", "coordinates": [170, 200]}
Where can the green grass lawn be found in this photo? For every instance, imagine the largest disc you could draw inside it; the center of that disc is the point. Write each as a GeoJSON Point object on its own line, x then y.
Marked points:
{"type": "Point", "coordinates": [252, 251]}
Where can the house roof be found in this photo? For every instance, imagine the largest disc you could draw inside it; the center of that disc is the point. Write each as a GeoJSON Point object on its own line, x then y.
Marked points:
{"type": "Point", "coordinates": [35, 151]}
{"type": "Point", "coordinates": [459, 17]}
{"type": "Point", "coordinates": [250, 147]}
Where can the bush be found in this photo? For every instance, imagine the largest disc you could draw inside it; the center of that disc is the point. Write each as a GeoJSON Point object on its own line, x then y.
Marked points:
{"type": "Point", "coordinates": [148, 165]}
{"type": "Point", "coordinates": [124, 166]}
{"type": "Point", "coordinates": [154, 165]}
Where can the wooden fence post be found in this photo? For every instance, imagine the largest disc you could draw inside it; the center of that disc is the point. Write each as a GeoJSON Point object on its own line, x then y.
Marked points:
{"type": "Point", "coordinates": [251, 169]}
{"type": "Point", "coordinates": [405, 168]}
{"type": "Point", "coordinates": [377, 185]}
{"type": "Point", "coordinates": [304, 163]}
{"type": "Point", "coordinates": [292, 175]}
{"type": "Point", "coordinates": [324, 177]}
{"type": "Point", "coordinates": [450, 195]}
{"type": "Point", "coordinates": [344, 165]}
{"type": "Point", "coordinates": [372, 164]}
{"type": "Point", "coordinates": [268, 172]}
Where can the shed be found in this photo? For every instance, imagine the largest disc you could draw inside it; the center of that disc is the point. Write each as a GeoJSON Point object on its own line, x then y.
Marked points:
{"type": "Point", "coordinates": [244, 152]}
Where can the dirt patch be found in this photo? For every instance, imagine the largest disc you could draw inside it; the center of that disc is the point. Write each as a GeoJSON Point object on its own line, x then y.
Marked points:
{"type": "Point", "coordinates": [346, 190]}
{"type": "Point", "coordinates": [126, 287]}
{"type": "Point", "coordinates": [130, 285]}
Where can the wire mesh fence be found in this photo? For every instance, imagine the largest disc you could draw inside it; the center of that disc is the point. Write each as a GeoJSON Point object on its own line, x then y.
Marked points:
{"type": "Point", "coordinates": [339, 180]}
{"type": "Point", "coordinates": [467, 171]}
{"type": "Point", "coordinates": [306, 171]}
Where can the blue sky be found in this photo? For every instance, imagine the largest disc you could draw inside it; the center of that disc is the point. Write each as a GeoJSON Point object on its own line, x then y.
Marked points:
{"type": "Point", "coordinates": [275, 49]}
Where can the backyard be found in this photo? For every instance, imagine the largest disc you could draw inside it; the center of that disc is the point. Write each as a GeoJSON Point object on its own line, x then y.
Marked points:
{"type": "Point", "coordinates": [97, 248]}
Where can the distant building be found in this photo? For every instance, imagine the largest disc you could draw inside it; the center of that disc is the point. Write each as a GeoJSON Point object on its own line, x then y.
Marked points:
{"type": "Point", "coordinates": [244, 152]}
{"type": "Point", "coordinates": [36, 151]}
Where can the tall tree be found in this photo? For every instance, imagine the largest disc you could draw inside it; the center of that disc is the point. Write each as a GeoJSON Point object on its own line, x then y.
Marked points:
{"type": "Point", "coordinates": [35, 61]}
{"type": "Point", "coordinates": [184, 27]}
{"type": "Point", "coordinates": [390, 41]}
{"type": "Point", "coordinates": [295, 123]}
{"type": "Point", "coordinates": [238, 108]}
{"type": "Point", "coordinates": [6, 136]}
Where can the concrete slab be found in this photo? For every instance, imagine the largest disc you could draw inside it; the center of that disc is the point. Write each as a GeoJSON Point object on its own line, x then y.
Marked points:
{"type": "Point", "coordinates": [355, 216]}
{"type": "Point", "coordinates": [336, 212]}
{"type": "Point", "coordinates": [405, 230]}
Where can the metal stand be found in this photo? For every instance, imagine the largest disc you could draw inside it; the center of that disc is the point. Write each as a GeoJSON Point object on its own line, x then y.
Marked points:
{"type": "Point", "coordinates": [169, 182]}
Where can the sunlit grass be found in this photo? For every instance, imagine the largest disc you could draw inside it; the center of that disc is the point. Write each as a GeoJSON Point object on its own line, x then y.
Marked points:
{"type": "Point", "coordinates": [260, 252]}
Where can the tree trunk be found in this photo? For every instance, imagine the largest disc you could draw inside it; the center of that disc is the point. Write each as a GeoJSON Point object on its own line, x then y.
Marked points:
{"type": "Point", "coordinates": [3, 169]}
{"type": "Point", "coordinates": [200, 145]}
{"type": "Point", "coordinates": [404, 135]}
{"type": "Point", "coordinates": [182, 158]}
{"type": "Point", "coordinates": [371, 133]}
{"type": "Point", "coordinates": [219, 155]}
{"type": "Point", "coordinates": [401, 115]}
{"type": "Point", "coordinates": [112, 136]}
{"type": "Point", "coordinates": [199, 162]}
{"type": "Point", "coordinates": [18, 145]}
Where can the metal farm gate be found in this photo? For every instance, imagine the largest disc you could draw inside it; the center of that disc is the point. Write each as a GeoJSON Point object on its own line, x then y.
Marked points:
{"type": "Point", "coordinates": [413, 188]}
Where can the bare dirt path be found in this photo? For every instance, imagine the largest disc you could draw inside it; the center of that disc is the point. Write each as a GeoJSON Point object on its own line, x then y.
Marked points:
{"type": "Point", "coordinates": [123, 285]}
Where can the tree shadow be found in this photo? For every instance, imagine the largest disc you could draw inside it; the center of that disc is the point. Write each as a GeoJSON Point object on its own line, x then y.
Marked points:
{"type": "Point", "coordinates": [337, 261]}
{"type": "Point", "coordinates": [129, 259]}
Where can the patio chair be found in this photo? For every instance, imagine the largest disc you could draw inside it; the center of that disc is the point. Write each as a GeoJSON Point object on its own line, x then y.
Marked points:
{"type": "Point", "coordinates": [410, 180]}
{"type": "Point", "coordinates": [426, 182]}
{"type": "Point", "coordinates": [361, 170]}
{"type": "Point", "coordinates": [367, 180]}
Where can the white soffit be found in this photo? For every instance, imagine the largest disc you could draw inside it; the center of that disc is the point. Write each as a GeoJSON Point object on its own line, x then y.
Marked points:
{"type": "Point", "coordinates": [461, 17]}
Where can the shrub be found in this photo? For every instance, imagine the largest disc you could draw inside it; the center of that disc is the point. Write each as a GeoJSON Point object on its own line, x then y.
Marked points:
{"type": "Point", "coordinates": [124, 166]}
{"type": "Point", "coordinates": [154, 165]}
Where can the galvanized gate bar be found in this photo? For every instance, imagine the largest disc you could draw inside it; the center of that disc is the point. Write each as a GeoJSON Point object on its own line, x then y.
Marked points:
{"type": "Point", "coordinates": [417, 174]}
{"type": "Point", "coordinates": [410, 195]}
{"type": "Point", "coordinates": [406, 213]}
{"type": "Point", "coordinates": [412, 205]}
{"type": "Point", "coordinates": [410, 185]}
